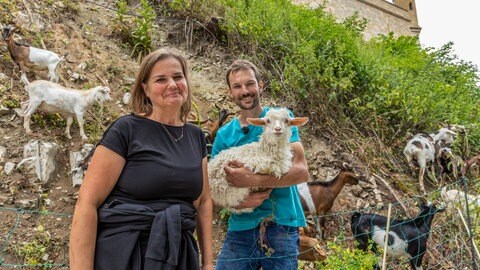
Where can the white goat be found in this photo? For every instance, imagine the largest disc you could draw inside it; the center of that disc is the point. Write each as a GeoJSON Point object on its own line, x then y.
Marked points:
{"type": "Point", "coordinates": [454, 196]}
{"type": "Point", "coordinates": [422, 149]}
{"type": "Point", "coordinates": [270, 155]}
{"type": "Point", "coordinates": [52, 97]}
{"type": "Point", "coordinates": [31, 57]}
{"type": "Point", "coordinates": [455, 199]}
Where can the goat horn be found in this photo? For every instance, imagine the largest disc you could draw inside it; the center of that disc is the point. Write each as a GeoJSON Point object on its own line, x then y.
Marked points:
{"type": "Point", "coordinates": [105, 82]}
{"type": "Point", "coordinates": [346, 166]}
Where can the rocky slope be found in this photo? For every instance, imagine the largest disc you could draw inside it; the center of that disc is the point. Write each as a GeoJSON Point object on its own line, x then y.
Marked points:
{"type": "Point", "coordinates": [36, 215]}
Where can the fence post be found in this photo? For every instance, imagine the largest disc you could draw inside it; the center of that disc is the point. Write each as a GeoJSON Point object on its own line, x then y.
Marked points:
{"type": "Point", "coordinates": [474, 263]}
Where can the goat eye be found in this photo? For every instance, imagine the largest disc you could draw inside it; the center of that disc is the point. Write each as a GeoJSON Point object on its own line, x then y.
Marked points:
{"type": "Point", "coordinates": [268, 121]}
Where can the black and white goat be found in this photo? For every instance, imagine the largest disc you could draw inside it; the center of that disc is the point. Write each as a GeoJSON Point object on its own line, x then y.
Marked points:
{"type": "Point", "coordinates": [406, 238]}
{"type": "Point", "coordinates": [422, 149]}
{"type": "Point", "coordinates": [30, 57]}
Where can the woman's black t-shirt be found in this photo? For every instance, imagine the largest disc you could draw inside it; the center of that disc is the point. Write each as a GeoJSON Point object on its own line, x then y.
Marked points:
{"type": "Point", "coordinates": [156, 166]}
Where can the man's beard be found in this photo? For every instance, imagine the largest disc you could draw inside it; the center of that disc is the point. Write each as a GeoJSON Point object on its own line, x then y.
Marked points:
{"type": "Point", "coordinates": [254, 103]}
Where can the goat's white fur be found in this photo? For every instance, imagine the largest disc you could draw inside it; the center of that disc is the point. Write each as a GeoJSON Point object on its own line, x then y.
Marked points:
{"type": "Point", "coordinates": [52, 97]}
{"type": "Point", "coordinates": [423, 154]}
{"type": "Point", "coordinates": [42, 58]}
{"type": "Point", "coordinates": [453, 196]}
{"type": "Point", "coordinates": [270, 155]}
{"type": "Point", "coordinates": [444, 136]}
{"type": "Point", "coordinates": [398, 249]}
{"type": "Point", "coordinates": [304, 192]}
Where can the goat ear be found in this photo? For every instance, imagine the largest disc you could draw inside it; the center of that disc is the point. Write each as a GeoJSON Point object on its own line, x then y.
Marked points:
{"type": "Point", "coordinates": [299, 121]}
{"type": "Point", "coordinates": [256, 121]}
{"type": "Point", "coordinates": [105, 82]}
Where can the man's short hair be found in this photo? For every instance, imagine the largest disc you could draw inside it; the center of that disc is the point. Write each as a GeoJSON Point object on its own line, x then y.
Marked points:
{"type": "Point", "coordinates": [242, 65]}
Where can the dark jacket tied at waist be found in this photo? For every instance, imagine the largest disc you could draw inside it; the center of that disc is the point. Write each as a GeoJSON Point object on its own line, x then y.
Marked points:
{"type": "Point", "coordinates": [171, 244]}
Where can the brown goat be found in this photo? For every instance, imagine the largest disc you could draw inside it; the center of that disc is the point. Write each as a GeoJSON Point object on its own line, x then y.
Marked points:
{"type": "Point", "coordinates": [30, 57]}
{"type": "Point", "coordinates": [309, 248]}
{"type": "Point", "coordinates": [317, 197]}
{"type": "Point", "coordinates": [210, 127]}
{"type": "Point", "coordinates": [472, 164]}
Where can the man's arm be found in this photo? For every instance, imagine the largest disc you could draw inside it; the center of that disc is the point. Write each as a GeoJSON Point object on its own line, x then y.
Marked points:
{"type": "Point", "coordinates": [240, 176]}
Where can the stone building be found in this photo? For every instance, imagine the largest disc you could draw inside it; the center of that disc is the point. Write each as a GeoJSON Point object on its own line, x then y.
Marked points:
{"type": "Point", "coordinates": [397, 16]}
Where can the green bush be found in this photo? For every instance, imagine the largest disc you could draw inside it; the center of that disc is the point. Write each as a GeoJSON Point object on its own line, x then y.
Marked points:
{"type": "Point", "coordinates": [122, 23]}
{"type": "Point", "coordinates": [387, 86]}
{"type": "Point", "coordinates": [142, 32]}
{"type": "Point", "coordinates": [341, 257]}
{"type": "Point", "coordinates": [35, 252]}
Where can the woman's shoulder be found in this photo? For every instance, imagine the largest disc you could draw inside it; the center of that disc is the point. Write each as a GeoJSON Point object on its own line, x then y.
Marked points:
{"type": "Point", "coordinates": [131, 118]}
{"type": "Point", "coordinates": [193, 128]}
{"type": "Point", "coordinates": [128, 121]}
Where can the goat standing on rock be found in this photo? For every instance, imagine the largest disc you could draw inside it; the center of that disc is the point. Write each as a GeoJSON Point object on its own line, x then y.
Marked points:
{"type": "Point", "coordinates": [52, 97]}
{"type": "Point", "coordinates": [31, 57]}
{"type": "Point", "coordinates": [270, 155]}
{"type": "Point", "coordinates": [406, 238]}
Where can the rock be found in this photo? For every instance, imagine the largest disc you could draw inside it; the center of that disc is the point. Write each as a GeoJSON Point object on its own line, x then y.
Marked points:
{"type": "Point", "coordinates": [3, 152]}
{"type": "Point", "coordinates": [9, 166]}
{"type": "Point", "coordinates": [4, 110]}
{"type": "Point", "coordinates": [26, 204]}
{"type": "Point", "coordinates": [356, 190]}
{"type": "Point", "coordinates": [39, 159]}
{"type": "Point", "coordinates": [5, 199]}
{"type": "Point", "coordinates": [126, 98]}
{"type": "Point", "coordinates": [75, 159]}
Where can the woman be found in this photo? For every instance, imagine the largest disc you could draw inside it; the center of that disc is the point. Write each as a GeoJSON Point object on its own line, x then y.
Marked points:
{"type": "Point", "coordinates": [147, 182]}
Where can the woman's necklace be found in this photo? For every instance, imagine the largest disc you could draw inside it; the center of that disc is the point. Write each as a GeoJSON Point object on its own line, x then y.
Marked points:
{"type": "Point", "coordinates": [171, 136]}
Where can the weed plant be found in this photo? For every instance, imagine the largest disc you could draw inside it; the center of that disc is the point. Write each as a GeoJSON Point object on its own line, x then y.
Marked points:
{"type": "Point", "coordinates": [387, 86]}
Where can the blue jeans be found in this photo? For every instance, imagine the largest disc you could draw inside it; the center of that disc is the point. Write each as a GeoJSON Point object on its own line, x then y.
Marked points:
{"type": "Point", "coordinates": [274, 249]}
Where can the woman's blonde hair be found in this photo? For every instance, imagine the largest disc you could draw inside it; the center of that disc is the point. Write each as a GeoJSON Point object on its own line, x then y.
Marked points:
{"type": "Point", "coordinates": [139, 102]}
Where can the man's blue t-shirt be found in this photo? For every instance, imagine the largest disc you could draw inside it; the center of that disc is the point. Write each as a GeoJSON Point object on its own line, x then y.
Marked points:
{"type": "Point", "coordinates": [284, 204]}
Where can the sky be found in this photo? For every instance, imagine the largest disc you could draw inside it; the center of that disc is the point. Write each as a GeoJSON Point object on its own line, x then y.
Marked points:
{"type": "Point", "coordinates": [446, 20]}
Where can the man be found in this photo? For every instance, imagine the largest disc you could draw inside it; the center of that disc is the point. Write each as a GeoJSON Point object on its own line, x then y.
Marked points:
{"type": "Point", "coordinates": [268, 237]}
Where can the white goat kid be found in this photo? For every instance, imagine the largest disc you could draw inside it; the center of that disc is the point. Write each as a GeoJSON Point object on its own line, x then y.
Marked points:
{"type": "Point", "coordinates": [52, 97]}
{"type": "Point", "coordinates": [453, 196]}
{"type": "Point", "coordinates": [30, 57]}
{"type": "Point", "coordinates": [270, 155]}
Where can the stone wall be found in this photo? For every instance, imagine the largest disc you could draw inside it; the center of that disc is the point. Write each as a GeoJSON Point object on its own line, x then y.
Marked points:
{"type": "Point", "coordinates": [383, 16]}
